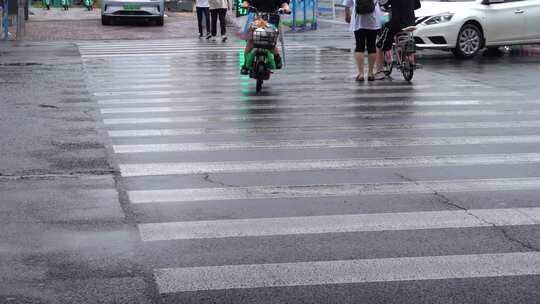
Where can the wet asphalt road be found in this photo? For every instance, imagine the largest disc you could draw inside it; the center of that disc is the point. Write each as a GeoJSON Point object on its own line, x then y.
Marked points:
{"type": "Point", "coordinates": [318, 190]}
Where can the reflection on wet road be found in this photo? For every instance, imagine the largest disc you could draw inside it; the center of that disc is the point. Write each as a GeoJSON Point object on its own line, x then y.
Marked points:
{"type": "Point", "coordinates": [321, 190]}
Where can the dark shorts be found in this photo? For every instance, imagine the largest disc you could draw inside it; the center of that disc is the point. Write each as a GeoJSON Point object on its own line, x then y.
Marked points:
{"type": "Point", "coordinates": [365, 38]}
{"type": "Point", "coordinates": [389, 38]}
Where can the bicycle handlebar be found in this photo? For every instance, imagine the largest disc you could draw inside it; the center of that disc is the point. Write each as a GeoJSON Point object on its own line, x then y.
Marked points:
{"type": "Point", "coordinates": [279, 11]}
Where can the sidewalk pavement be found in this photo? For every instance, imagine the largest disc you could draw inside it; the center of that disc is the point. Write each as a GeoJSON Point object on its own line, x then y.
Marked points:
{"type": "Point", "coordinates": [58, 14]}
{"type": "Point", "coordinates": [64, 236]}
{"type": "Point", "coordinates": [47, 27]}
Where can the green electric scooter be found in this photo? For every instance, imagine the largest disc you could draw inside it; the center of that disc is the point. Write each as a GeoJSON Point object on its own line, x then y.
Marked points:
{"type": "Point", "coordinates": [88, 4]}
{"type": "Point", "coordinates": [260, 62]}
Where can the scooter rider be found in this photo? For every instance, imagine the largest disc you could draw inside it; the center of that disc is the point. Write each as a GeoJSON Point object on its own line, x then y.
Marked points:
{"type": "Point", "coordinates": [266, 6]}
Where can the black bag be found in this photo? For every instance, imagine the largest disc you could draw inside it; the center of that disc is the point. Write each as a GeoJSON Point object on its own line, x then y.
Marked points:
{"type": "Point", "coordinates": [365, 7]}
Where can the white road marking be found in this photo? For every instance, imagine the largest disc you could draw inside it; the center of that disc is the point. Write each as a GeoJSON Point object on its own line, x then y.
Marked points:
{"type": "Point", "coordinates": [318, 116]}
{"type": "Point", "coordinates": [175, 280]}
{"type": "Point", "coordinates": [173, 78]}
{"type": "Point", "coordinates": [153, 169]}
{"type": "Point", "coordinates": [237, 98]}
{"type": "Point", "coordinates": [308, 128]}
{"type": "Point", "coordinates": [197, 74]}
{"type": "Point", "coordinates": [338, 224]}
{"type": "Point", "coordinates": [328, 144]}
{"type": "Point", "coordinates": [234, 87]}
{"type": "Point", "coordinates": [381, 104]}
{"type": "Point", "coordinates": [307, 191]}
{"type": "Point", "coordinates": [405, 94]}
{"type": "Point", "coordinates": [168, 51]}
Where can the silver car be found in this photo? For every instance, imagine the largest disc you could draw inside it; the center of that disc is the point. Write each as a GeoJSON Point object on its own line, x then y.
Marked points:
{"type": "Point", "coordinates": [148, 9]}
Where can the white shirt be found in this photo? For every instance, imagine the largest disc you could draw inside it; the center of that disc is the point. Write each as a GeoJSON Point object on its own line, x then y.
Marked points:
{"type": "Point", "coordinates": [369, 21]}
{"type": "Point", "coordinates": [202, 3]}
{"type": "Point", "coordinates": [214, 4]}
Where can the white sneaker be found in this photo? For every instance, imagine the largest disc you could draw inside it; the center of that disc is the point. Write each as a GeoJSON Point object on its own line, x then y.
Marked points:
{"type": "Point", "coordinates": [214, 39]}
{"type": "Point", "coordinates": [224, 38]}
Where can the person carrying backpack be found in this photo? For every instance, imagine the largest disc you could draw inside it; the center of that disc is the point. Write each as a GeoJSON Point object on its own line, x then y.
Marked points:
{"type": "Point", "coordinates": [364, 17]}
{"type": "Point", "coordinates": [402, 16]}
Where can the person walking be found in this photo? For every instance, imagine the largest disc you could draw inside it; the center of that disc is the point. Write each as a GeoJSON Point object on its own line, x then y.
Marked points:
{"type": "Point", "coordinates": [218, 10]}
{"type": "Point", "coordinates": [203, 10]}
{"type": "Point", "coordinates": [364, 17]}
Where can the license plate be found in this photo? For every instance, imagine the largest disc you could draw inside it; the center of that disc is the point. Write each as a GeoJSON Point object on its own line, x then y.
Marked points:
{"type": "Point", "coordinates": [132, 7]}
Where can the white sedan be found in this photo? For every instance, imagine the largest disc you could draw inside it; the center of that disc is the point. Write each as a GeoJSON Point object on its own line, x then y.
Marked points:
{"type": "Point", "coordinates": [146, 9]}
{"type": "Point", "coordinates": [466, 27]}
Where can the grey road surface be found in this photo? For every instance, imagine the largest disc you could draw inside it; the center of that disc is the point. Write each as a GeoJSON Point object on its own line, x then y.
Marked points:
{"type": "Point", "coordinates": [321, 190]}
{"type": "Point", "coordinates": [318, 190]}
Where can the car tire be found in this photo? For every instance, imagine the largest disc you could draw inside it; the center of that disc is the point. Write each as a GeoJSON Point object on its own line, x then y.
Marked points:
{"type": "Point", "coordinates": [106, 20]}
{"type": "Point", "coordinates": [469, 41]}
{"type": "Point", "coordinates": [160, 21]}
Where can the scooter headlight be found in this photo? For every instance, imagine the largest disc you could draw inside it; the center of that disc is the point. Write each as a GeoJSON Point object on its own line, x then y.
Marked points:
{"type": "Point", "coordinates": [442, 18]}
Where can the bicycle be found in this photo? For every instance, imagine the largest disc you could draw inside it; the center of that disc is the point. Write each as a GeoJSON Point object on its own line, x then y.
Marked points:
{"type": "Point", "coordinates": [402, 55]}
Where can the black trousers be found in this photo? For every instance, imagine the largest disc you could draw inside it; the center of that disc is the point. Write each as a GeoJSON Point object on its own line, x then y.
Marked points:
{"type": "Point", "coordinates": [365, 38]}
{"type": "Point", "coordinates": [203, 11]}
{"type": "Point", "coordinates": [220, 13]}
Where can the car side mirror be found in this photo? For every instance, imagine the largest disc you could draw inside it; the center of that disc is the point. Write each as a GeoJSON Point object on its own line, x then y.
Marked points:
{"type": "Point", "coordinates": [488, 2]}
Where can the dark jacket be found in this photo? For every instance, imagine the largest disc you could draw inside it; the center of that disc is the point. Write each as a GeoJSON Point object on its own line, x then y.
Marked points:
{"type": "Point", "coordinates": [268, 6]}
{"type": "Point", "coordinates": [402, 13]}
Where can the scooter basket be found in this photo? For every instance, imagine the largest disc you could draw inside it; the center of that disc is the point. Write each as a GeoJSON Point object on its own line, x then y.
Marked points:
{"type": "Point", "coordinates": [265, 38]}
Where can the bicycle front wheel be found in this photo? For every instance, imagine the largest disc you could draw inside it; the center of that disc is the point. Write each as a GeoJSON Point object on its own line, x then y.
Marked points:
{"type": "Point", "coordinates": [388, 65]}
{"type": "Point", "coordinates": [407, 67]}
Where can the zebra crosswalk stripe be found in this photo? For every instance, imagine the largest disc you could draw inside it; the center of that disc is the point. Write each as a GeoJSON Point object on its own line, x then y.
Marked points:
{"type": "Point", "coordinates": [338, 224]}
{"type": "Point", "coordinates": [327, 144]}
{"type": "Point", "coordinates": [364, 94]}
{"type": "Point", "coordinates": [330, 190]}
{"type": "Point", "coordinates": [142, 91]}
{"type": "Point", "coordinates": [125, 110]}
{"type": "Point", "coordinates": [173, 280]}
{"type": "Point", "coordinates": [329, 164]}
{"type": "Point", "coordinates": [315, 128]}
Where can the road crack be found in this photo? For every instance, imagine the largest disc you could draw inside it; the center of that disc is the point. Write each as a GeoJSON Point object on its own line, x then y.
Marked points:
{"type": "Point", "coordinates": [448, 202]}
{"type": "Point", "coordinates": [209, 179]}
{"type": "Point", "coordinates": [52, 175]}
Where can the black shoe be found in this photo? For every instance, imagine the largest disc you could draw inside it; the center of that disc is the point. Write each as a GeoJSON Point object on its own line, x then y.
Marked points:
{"type": "Point", "coordinates": [244, 70]}
{"type": "Point", "coordinates": [200, 35]}
{"type": "Point", "coordinates": [277, 59]}
{"type": "Point", "coordinates": [208, 36]}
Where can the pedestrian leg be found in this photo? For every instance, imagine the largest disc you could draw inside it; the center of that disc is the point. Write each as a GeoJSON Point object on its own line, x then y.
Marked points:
{"type": "Point", "coordinates": [371, 38]}
{"type": "Point", "coordinates": [360, 38]}
{"type": "Point", "coordinates": [199, 20]}
{"type": "Point", "coordinates": [214, 18]}
{"type": "Point", "coordinates": [222, 23]}
{"type": "Point", "coordinates": [206, 12]}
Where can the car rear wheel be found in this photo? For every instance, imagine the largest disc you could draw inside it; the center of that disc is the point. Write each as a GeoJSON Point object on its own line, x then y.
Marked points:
{"type": "Point", "coordinates": [106, 20]}
{"type": "Point", "coordinates": [160, 21]}
{"type": "Point", "coordinates": [469, 42]}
